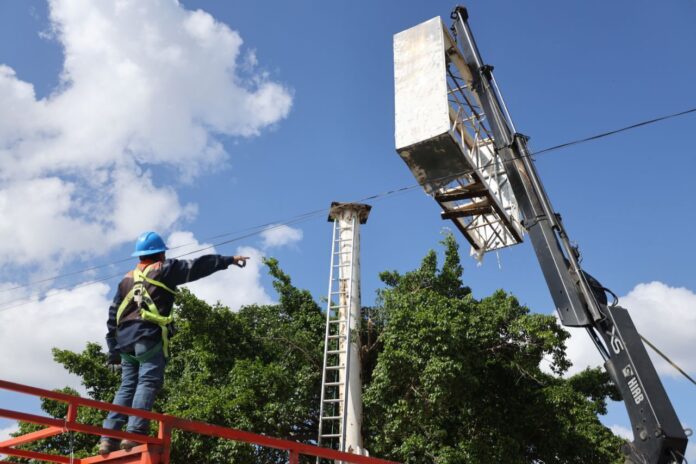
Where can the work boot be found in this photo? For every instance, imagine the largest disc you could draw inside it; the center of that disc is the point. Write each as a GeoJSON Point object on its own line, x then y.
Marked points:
{"type": "Point", "coordinates": [128, 445]}
{"type": "Point", "coordinates": [106, 447]}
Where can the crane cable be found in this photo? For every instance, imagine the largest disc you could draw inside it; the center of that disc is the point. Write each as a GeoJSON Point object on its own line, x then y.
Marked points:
{"type": "Point", "coordinates": [664, 356]}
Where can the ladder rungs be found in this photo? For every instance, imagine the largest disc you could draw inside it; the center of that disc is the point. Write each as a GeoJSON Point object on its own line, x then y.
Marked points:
{"type": "Point", "coordinates": [335, 351]}
{"type": "Point", "coordinates": [333, 400]}
{"type": "Point", "coordinates": [338, 321]}
{"type": "Point", "coordinates": [334, 337]}
{"type": "Point", "coordinates": [331, 435]}
{"type": "Point", "coordinates": [334, 368]}
{"type": "Point", "coordinates": [332, 418]}
{"type": "Point", "coordinates": [333, 384]}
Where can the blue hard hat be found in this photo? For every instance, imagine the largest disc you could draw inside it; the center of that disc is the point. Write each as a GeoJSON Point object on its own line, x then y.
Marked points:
{"type": "Point", "coordinates": [149, 243]}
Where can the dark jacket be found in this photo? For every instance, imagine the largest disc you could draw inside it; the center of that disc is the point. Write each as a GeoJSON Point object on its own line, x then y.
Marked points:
{"type": "Point", "coordinates": [172, 273]}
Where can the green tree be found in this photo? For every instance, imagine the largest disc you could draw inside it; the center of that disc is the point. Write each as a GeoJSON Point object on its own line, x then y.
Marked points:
{"type": "Point", "coordinates": [448, 379]}
{"type": "Point", "coordinates": [457, 380]}
{"type": "Point", "coordinates": [258, 369]}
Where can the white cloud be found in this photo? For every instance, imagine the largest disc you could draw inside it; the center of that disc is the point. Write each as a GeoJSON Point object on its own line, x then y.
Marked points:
{"type": "Point", "coordinates": [622, 431]}
{"type": "Point", "coordinates": [144, 86]}
{"type": "Point", "coordinates": [664, 315]}
{"type": "Point", "coordinates": [278, 235]}
{"type": "Point", "coordinates": [581, 351]}
{"type": "Point", "coordinates": [6, 431]}
{"type": "Point", "coordinates": [234, 287]}
{"type": "Point", "coordinates": [66, 319]}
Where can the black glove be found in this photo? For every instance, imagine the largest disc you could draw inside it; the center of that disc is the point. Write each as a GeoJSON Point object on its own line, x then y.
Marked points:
{"type": "Point", "coordinates": [113, 363]}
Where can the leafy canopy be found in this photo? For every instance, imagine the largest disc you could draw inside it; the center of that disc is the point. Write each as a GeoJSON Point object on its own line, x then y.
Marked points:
{"type": "Point", "coordinates": [447, 378]}
{"type": "Point", "coordinates": [457, 379]}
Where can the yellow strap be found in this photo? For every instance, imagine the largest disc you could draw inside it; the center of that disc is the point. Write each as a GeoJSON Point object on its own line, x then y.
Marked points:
{"type": "Point", "coordinates": [124, 303]}
{"type": "Point", "coordinates": [157, 283]}
{"type": "Point", "coordinates": [151, 313]}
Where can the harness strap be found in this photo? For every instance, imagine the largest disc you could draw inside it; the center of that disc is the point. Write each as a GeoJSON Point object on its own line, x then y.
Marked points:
{"type": "Point", "coordinates": [142, 358]}
{"type": "Point", "coordinates": [142, 275]}
{"type": "Point", "coordinates": [124, 304]}
{"type": "Point", "coordinates": [147, 307]}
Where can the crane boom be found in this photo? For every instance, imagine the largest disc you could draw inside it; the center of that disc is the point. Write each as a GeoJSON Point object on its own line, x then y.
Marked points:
{"type": "Point", "coordinates": [579, 299]}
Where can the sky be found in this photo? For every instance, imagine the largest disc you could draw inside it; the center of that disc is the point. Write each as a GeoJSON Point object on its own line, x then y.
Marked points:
{"type": "Point", "coordinates": [221, 121]}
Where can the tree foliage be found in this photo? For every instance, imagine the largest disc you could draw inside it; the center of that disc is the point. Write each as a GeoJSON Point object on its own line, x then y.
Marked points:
{"type": "Point", "coordinates": [458, 379]}
{"type": "Point", "coordinates": [447, 378]}
{"type": "Point", "coordinates": [258, 369]}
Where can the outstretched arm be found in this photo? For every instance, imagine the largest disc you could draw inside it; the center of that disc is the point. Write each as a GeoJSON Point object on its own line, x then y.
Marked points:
{"type": "Point", "coordinates": [179, 272]}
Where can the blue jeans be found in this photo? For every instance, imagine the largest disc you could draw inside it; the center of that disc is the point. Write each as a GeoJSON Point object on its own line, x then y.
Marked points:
{"type": "Point", "coordinates": [140, 384]}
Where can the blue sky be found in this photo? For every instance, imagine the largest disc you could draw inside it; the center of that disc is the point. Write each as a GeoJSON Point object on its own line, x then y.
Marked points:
{"type": "Point", "coordinates": [307, 119]}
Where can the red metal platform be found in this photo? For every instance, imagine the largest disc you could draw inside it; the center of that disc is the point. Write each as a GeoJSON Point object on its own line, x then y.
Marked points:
{"type": "Point", "coordinates": [153, 450]}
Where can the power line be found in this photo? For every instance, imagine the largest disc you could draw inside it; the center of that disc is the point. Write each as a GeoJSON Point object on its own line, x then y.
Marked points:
{"type": "Point", "coordinates": [24, 301]}
{"type": "Point", "coordinates": [7, 305]}
{"type": "Point", "coordinates": [255, 230]}
{"type": "Point", "coordinates": [260, 228]}
{"type": "Point", "coordinates": [616, 131]}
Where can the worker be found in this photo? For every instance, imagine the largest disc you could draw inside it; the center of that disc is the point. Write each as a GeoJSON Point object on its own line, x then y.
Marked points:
{"type": "Point", "coordinates": [140, 325]}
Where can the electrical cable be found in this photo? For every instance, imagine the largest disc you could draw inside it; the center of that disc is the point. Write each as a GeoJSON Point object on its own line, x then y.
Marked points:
{"type": "Point", "coordinates": [123, 260]}
{"type": "Point", "coordinates": [255, 230]}
{"type": "Point", "coordinates": [7, 305]}
{"type": "Point", "coordinates": [616, 131]}
{"type": "Point", "coordinates": [368, 198]}
{"type": "Point", "coordinates": [308, 215]}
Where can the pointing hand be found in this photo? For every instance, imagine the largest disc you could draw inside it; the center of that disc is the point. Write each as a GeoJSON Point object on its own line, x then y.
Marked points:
{"type": "Point", "coordinates": [240, 260]}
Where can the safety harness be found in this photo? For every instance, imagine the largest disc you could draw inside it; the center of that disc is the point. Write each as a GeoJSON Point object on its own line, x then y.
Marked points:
{"type": "Point", "coordinates": [148, 312]}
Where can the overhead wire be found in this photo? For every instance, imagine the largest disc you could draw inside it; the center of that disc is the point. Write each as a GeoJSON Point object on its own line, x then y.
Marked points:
{"type": "Point", "coordinates": [22, 301]}
{"type": "Point", "coordinates": [616, 131]}
{"type": "Point", "coordinates": [254, 230]}
{"type": "Point", "coordinates": [265, 226]}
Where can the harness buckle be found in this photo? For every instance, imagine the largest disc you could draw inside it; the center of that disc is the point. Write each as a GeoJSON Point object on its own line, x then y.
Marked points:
{"type": "Point", "coordinates": [138, 296]}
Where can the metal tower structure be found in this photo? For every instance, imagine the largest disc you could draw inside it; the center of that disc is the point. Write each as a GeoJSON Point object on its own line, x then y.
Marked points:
{"type": "Point", "coordinates": [340, 413]}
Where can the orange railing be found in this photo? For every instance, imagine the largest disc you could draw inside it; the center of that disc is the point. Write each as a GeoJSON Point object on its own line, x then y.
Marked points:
{"type": "Point", "coordinates": [154, 450]}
